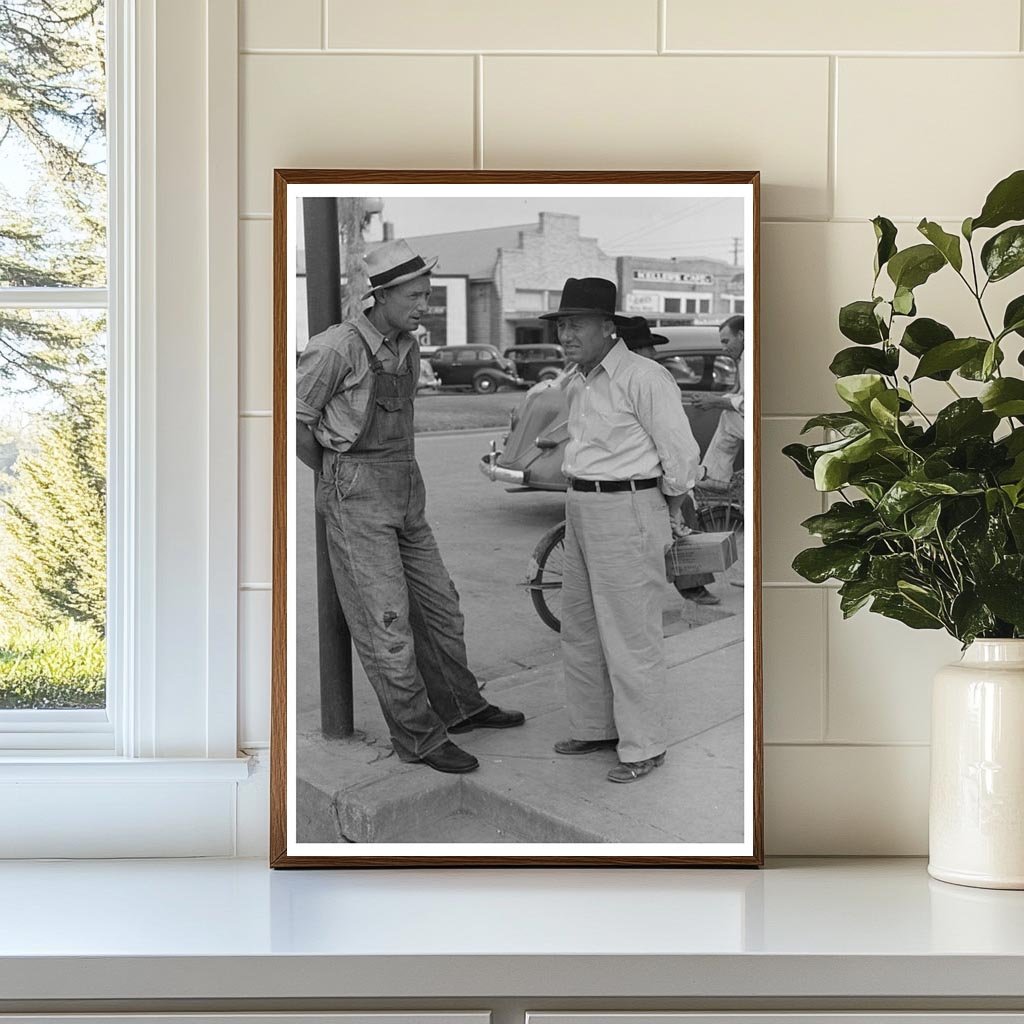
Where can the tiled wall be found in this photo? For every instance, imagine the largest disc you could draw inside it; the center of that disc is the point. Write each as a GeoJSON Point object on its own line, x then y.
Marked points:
{"type": "Point", "coordinates": [848, 110]}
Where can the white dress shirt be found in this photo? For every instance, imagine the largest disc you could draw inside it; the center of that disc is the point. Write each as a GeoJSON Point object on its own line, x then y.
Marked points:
{"type": "Point", "coordinates": [626, 422]}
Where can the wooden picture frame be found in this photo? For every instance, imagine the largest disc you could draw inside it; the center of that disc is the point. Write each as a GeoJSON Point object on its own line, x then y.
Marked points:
{"type": "Point", "coordinates": [348, 800]}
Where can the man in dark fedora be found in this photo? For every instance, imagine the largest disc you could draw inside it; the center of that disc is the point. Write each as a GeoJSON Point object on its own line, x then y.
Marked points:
{"type": "Point", "coordinates": [639, 338]}
{"type": "Point", "coordinates": [630, 460]}
{"type": "Point", "coordinates": [355, 386]}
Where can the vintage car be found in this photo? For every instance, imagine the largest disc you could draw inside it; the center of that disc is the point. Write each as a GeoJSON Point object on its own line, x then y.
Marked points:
{"type": "Point", "coordinates": [480, 367]}
{"type": "Point", "coordinates": [537, 362]}
{"type": "Point", "coordinates": [428, 379]}
{"type": "Point", "coordinates": [530, 456]}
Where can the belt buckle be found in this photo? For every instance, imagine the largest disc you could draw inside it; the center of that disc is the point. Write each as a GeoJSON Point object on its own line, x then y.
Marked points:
{"type": "Point", "coordinates": [597, 486]}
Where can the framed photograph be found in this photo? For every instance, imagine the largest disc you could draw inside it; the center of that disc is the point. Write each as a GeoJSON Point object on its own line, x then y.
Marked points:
{"type": "Point", "coordinates": [516, 587]}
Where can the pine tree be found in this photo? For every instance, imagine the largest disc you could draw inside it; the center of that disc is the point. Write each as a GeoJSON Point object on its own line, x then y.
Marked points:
{"type": "Point", "coordinates": [53, 522]}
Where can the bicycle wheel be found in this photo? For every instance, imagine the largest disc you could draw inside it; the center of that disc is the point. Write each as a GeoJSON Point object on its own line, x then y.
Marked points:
{"type": "Point", "coordinates": [544, 577]}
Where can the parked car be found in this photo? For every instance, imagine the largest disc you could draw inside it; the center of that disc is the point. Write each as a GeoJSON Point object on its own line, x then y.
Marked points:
{"type": "Point", "coordinates": [428, 379]}
{"type": "Point", "coordinates": [537, 362]}
{"type": "Point", "coordinates": [480, 367]}
{"type": "Point", "coordinates": [530, 455]}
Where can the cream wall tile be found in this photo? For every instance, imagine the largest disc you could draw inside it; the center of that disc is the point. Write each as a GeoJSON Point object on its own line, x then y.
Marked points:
{"type": "Point", "coordinates": [683, 113]}
{"type": "Point", "coordinates": [794, 663]}
{"type": "Point", "coordinates": [254, 619]}
{"type": "Point", "coordinates": [944, 105]}
{"type": "Point", "coordinates": [255, 507]}
{"type": "Point", "coordinates": [498, 25]}
{"type": "Point", "coordinates": [868, 25]}
{"type": "Point", "coordinates": [317, 111]}
{"type": "Point", "coordinates": [809, 271]}
{"type": "Point", "coordinates": [255, 321]}
{"type": "Point", "coordinates": [846, 801]}
{"type": "Point", "coordinates": [880, 676]}
{"type": "Point", "coordinates": [787, 498]}
{"type": "Point", "coordinates": [272, 25]}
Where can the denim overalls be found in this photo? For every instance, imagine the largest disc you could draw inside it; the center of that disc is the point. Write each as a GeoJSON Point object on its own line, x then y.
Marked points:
{"type": "Point", "coordinates": [399, 601]}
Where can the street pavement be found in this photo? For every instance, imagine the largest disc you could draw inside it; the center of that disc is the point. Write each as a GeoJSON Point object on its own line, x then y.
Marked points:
{"type": "Point", "coordinates": [358, 789]}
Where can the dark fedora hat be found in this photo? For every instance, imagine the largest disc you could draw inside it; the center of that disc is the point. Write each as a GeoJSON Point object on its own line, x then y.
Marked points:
{"type": "Point", "coordinates": [587, 296]}
{"type": "Point", "coordinates": [636, 333]}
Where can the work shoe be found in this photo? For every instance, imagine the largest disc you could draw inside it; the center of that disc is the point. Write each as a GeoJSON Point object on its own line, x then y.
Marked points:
{"type": "Point", "coordinates": [583, 746]}
{"type": "Point", "coordinates": [699, 595]}
{"type": "Point", "coordinates": [490, 717]}
{"type": "Point", "coordinates": [630, 771]}
{"type": "Point", "coordinates": [450, 758]}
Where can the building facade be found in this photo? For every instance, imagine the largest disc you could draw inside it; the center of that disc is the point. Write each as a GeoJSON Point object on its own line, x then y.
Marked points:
{"type": "Point", "coordinates": [680, 291]}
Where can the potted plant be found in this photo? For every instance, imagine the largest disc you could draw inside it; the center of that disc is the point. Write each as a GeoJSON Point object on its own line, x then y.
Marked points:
{"type": "Point", "coordinates": [927, 521]}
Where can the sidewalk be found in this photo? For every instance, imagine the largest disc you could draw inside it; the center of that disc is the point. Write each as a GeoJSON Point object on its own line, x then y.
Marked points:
{"type": "Point", "coordinates": [356, 790]}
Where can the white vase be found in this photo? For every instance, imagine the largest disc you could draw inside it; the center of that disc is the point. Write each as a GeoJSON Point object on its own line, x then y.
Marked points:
{"type": "Point", "coordinates": [976, 813]}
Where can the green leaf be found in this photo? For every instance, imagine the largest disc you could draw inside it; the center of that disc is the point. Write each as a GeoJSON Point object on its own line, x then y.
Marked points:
{"type": "Point", "coordinates": [911, 267]}
{"type": "Point", "coordinates": [857, 322]}
{"type": "Point", "coordinates": [947, 244]}
{"type": "Point", "coordinates": [925, 518]}
{"type": "Point", "coordinates": [885, 237]}
{"type": "Point", "coordinates": [971, 617]}
{"type": "Point", "coordinates": [965, 228]}
{"type": "Point", "coordinates": [966, 417]}
{"type": "Point", "coordinates": [885, 571]}
{"type": "Point", "coordinates": [854, 595]}
{"type": "Point", "coordinates": [850, 361]}
{"type": "Point", "coordinates": [903, 302]}
{"type": "Point", "coordinates": [858, 389]}
{"type": "Point", "coordinates": [1005, 202]}
{"type": "Point", "coordinates": [974, 368]}
{"type": "Point", "coordinates": [843, 521]}
{"type": "Point", "coordinates": [990, 361]}
{"type": "Point", "coordinates": [833, 420]}
{"type": "Point", "coordinates": [1004, 397]}
{"type": "Point", "coordinates": [923, 335]}
{"type": "Point", "coordinates": [885, 409]}
{"type": "Point", "coordinates": [1003, 595]}
{"type": "Point", "coordinates": [1013, 317]}
{"type": "Point", "coordinates": [949, 355]}
{"type": "Point", "coordinates": [1003, 254]}
{"type": "Point", "coordinates": [831, 471]}
{"type": "Point", "coordinates": [904, 495]}
{"type": "Point", "coordinates": [840, 561]}
{"type": "Point", "coordinates": [900, 609]}
{"type": "Point", "coordinates": [799, 455]}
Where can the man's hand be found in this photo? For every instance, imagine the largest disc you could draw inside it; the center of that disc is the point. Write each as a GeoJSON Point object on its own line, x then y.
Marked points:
{"type": "Point", "coordinates": [675, 515]}
{"type": "Point", "coordinates": [711, 401]}
{"type": "Point", "coordinates": [307, 447]}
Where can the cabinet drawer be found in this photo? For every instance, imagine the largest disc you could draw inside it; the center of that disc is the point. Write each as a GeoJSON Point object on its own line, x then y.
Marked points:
{"type": "Point", "coordinates": [360, 1017]}
{"type": "Point", "coordinates": [959, 1017]}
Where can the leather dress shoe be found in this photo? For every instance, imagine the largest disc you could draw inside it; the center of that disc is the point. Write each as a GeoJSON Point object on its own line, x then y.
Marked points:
{"type": "Point", "coordinates": [630, 771]}
{"type": "Point", "coordinates": [490, 717]}
{"type": "Point", "coordinates": [699, 595]}
{"type": "Point", "coordinates": [584, 746]}
{"type": "Point", "coordinates": [450, 758]}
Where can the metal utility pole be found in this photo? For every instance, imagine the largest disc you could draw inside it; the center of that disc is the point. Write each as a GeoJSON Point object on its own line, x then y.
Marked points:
{"type": "Point", "coordinates": [324, 307]}
{"type": "Point", "coordinates": [736, 251]}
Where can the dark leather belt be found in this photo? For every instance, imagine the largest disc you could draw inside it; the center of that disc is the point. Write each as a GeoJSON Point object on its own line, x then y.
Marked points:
{"type": "Point", "coordinates": [613, 485]}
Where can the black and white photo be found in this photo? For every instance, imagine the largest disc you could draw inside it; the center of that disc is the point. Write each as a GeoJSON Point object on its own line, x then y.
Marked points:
{"type": "Point", "coordinates": [516, 519]}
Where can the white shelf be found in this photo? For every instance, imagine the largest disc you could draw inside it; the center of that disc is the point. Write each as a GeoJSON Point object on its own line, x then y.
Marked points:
{"type": "Point", "coordinates": [233, 929]}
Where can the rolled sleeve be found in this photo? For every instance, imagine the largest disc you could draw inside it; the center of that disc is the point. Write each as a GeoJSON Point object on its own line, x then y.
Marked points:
{"type": "Point", "coordinates": [319, 375]}
{"type": "Point", "coordinates": [736, 401]}
{"type": "Point", "coordinates": [661, 414]}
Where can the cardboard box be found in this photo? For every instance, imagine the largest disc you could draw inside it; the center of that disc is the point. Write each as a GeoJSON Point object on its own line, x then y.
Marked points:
{"type": "Point", "coordinates": [702, 552]}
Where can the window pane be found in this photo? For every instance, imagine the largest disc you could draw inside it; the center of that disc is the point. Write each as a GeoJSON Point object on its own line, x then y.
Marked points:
{"type": "Point", "coordinates": [52, 509]}
{"type": "Point", "coordinates": [53, 148]}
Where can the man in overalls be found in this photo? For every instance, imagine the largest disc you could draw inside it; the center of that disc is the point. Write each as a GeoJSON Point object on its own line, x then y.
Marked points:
{"type": "Point", "coordinates": [355, 385]}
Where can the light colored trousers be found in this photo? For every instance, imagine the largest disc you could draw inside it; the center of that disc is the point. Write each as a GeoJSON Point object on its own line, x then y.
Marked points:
{"type": "Point", "coordinates": [725, 445]}
{"type": "Point", "coordinates": [613, 591]}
